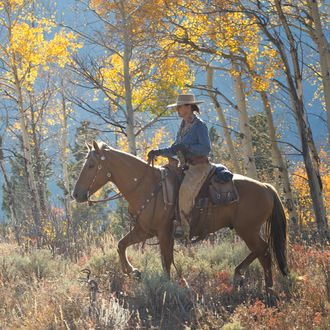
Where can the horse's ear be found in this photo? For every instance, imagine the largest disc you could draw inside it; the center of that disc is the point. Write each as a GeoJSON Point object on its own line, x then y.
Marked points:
{"type": "Point", "coordinates": [96, 147]}
{"type": "Point", "coordinates": [89, 146]}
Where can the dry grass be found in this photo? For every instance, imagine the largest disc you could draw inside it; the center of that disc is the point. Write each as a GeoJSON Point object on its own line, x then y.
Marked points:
{"type": "Point", "coordinates": [40, 291]}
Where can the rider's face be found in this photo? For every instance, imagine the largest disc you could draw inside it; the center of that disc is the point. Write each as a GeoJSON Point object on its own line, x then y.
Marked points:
{"type": "Point", "coordinates": [184, 110]}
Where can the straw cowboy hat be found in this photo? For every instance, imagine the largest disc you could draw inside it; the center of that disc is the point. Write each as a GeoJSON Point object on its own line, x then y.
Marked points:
{"type": "Point", "coordinates": [185, 99]}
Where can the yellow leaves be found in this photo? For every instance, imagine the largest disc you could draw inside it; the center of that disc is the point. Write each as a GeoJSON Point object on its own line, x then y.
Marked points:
{"type": "Point", "coordinates": [17, 125]}
{"type": "Point", "coordinates": [139, 16]}
{"type": "Point", "coordinates": [176, 72]}
{"type": "Point", "coordinates": [12, 4]}
{"type": "Point", "coordinates": [232, 31]}
{"type": "Point", "coordinates": [228, 32]}
{"type": "Point", "coordinates": [264, 68]}
{"type": "Point", "coordinates": [102, 7]}
{"type": "Point", "coordinates": [325, 174]}
{"type": "Point", "coordinates": [159, 137]}
{"type": "Point", "coordinates": [25, 42]}
{"type": "Point", "coordinates": [60, 48]}
{"type": "Point", "coordinates": [112, 75]}
{"type": "Point", "coordinates": [33, 45]}
{"type": "Point", "coordinates": [301, 187]}
{"type": "Point", "coordinates": [169, 73]}
{"type": "Point", "coordinates": [122, 143]}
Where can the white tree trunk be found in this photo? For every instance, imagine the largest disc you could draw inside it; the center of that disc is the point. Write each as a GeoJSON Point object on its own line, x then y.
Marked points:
{"type": "Point", "coordinates": [322, 44]}
{"type": "Point", "coordinates": [65, 158]}
{"type": "Point", "coordinates": [34, 197]}
{"type": "Point", "coordinates": [222, 120]}
{"type": "Point", "coordinates": [281, 169]}
{"type": "Point", "coordinates": [35, 150]}
{"type": "Point", "coordinates": [128, 82]}
{"type": "Point", "coordinates": [246, 136]}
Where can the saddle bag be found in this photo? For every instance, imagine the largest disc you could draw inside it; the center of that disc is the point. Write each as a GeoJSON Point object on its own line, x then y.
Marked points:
{"type": "Point", "coordinates": [222, 192]}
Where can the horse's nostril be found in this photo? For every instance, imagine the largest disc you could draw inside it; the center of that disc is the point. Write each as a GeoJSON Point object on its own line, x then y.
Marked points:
{"type": "Point", "coordinates": [74, 195]}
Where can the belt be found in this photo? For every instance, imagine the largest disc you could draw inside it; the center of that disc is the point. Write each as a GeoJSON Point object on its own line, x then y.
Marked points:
{"type": "Point", "coordinates": [198, 160]}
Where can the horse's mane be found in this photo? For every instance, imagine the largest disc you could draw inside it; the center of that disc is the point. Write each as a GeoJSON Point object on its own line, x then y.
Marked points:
{"type": "Point", "coordinates": [103, 146]}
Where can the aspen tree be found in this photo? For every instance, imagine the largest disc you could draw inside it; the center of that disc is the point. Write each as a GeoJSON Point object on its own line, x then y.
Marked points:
{"type": "Point", "coordinates": [26, 49]}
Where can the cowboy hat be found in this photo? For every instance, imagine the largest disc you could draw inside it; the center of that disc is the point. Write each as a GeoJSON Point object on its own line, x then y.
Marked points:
{"type": "Point", "coordinates": [185, 99]}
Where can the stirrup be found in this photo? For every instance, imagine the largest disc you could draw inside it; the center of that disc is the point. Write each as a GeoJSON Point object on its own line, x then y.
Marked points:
{"type": "Point", "coordinates": [178, 232]}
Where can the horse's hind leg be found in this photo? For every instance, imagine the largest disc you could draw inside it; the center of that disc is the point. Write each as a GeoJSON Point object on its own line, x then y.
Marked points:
{"type": "Point", "coordinates": [260, 249]}
{"type": "Point", "coordinates": [241, 268]}
{"type": "Point", "coordinates": [136, 235]}
{"type": "Point", "coordinates": [266, 262]}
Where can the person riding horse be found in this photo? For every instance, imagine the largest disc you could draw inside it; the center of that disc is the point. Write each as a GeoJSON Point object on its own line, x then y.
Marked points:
{"type": "Point", "coordinates": [193, 142]}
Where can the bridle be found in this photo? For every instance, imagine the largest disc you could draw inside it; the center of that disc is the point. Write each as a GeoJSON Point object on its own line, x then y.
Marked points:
{"type": "Point", "coordinates": [119, 194]}
{"type": "Point", "coordinates": [110, 198]}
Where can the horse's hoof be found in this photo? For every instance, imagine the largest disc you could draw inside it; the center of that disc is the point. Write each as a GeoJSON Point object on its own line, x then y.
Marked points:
{"type": "Point", "coordinates": [271, 298]}
{"type": "Point", "coordinates": [238, 281]}
{"type": "Point", "coordinates": [136, 274]}
{"type": "Point", "coordinates": [271, 301]}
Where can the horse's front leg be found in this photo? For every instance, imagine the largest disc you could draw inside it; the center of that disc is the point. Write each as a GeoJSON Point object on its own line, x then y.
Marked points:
{"type": "Point", "coordinates": [136, 235]}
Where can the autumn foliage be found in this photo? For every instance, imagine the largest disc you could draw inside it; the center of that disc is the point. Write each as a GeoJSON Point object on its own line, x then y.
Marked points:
{"type": "Point", "coordinates": [301, 189]}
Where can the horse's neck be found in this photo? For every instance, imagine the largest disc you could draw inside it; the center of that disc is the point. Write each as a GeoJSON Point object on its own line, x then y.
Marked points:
{"type": "Point", "coordinates": [132, 176]}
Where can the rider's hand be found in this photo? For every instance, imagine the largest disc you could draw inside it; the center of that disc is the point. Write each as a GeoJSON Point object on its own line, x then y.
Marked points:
{"type": "Point", "coordinates": [152, 154]}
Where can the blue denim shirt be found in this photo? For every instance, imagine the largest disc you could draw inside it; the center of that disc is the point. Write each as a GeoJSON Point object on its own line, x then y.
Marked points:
{"type": "Point", "coordinates": [196, 139]}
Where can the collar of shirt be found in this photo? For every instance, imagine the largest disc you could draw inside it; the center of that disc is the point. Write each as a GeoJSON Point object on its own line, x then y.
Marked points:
{"type": "Point", "coordinates": [185, 126]}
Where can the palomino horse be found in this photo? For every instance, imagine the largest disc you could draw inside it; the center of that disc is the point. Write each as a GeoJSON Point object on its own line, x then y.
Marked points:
{"type": "Point", "coordinates": [140, 184]}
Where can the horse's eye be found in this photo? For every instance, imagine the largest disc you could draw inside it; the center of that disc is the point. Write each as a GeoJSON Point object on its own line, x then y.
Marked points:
{"type": "Point", "coordinates": [91, 165]}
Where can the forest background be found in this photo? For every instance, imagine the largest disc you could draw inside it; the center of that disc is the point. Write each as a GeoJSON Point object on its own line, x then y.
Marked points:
{"type": "Point", "coordinates": [75, 71]}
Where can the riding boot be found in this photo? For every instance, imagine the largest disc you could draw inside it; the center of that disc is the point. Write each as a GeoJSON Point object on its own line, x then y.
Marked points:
{"type": "Point", "coordinates": [178, 232]}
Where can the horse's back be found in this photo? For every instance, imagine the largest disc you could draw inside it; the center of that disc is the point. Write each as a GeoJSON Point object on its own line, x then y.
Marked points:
{"type": "Point", "coordinates": [246, 183]}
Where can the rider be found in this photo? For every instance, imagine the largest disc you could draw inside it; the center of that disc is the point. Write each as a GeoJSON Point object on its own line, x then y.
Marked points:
{"type": "Point", "coordinates": [193, 142]}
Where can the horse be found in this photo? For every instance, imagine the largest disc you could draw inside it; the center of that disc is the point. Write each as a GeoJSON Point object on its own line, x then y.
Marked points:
{"type": "Point", "coordinates": [140, 184]}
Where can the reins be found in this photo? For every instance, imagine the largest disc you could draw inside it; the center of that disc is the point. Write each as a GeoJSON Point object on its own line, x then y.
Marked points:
{"type": "Point", "coordinates": [110, 198]}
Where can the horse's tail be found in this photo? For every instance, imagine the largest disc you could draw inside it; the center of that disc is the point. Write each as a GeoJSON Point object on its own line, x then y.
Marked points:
{"type": "Point", "coordinates": [277, 232]}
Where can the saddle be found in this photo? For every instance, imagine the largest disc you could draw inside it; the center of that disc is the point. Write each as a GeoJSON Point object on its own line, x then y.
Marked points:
{"type": "Point", "coordinates": [218, 188]}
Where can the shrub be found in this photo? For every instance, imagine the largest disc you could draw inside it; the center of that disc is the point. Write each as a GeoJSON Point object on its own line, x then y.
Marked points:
{"type": "Point", "coordinates": [161, 302]}
{"type": "Point", "coordinates": [37, 265]}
